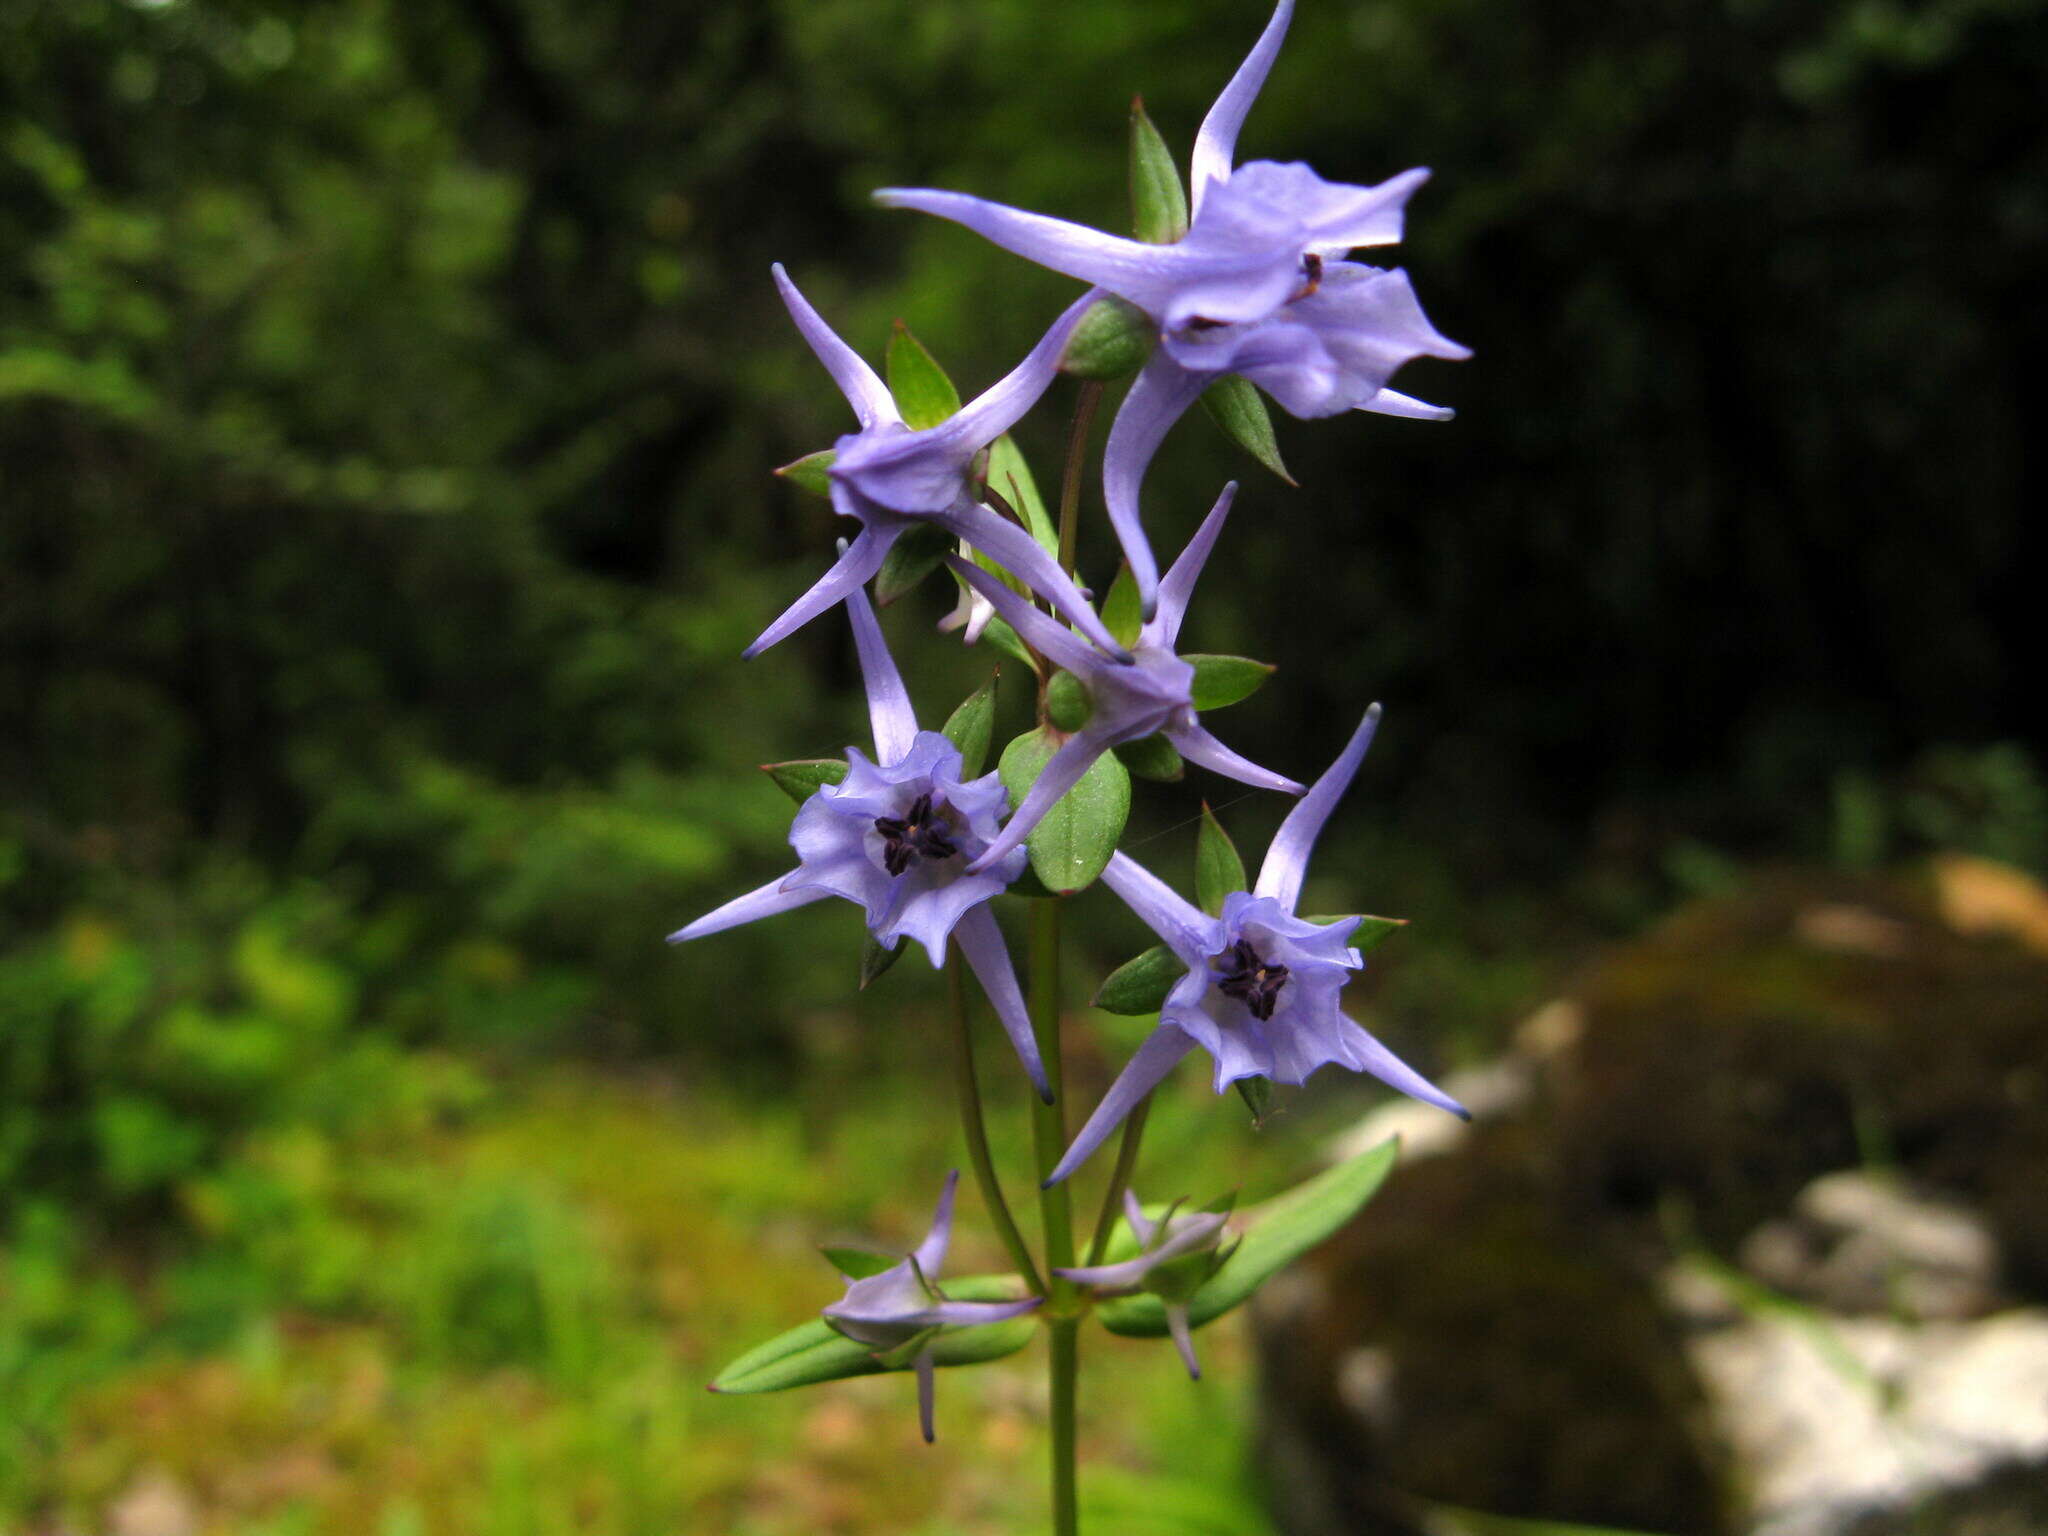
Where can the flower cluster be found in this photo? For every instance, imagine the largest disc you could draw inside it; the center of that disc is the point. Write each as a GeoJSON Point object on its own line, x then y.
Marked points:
{"type": "Point", "coordinates": [1258, 285]}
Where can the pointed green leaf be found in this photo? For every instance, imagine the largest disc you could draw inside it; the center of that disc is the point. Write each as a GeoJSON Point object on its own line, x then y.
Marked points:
{"type": "Point", "coordinates": [1235, 404]}
{"type": "Point", "coordinates": [876, 958]}
{"type": "Point", "coordinates": [1218, 870]}
{"type": "Point", "coordinates": [1112, 341]}
{"type": "Point", "coordinates": [1154, 758]}
{"type": "Point", "coordinates": [1122, 613]}
{"type": "Point", "coordinates": [1140, 985]}
{"type": "Point", "coordinates": [1223, 680]}
{"type": "Point", "coordinates": [1371, 931]}
{"type": "Point", "coordinates": [812, 1352]}
{"type": "Point", "coordinates": [1279, 1231]}
{"type": "Point", "coordinates": [914, 556]}
{"type": "Point", "coordinates": [1010, 477]}
{"type": "Point", "coordinates": [809, 472]}
{"type": "Point", "coordinates": [924, 395]}
{"type": "Point", "coordinates": [1001, 637]}
{"type": "Point", "coordinates": [1074, 841]}
{"type": "Point", "coordinates": [1257, 1093]}
{"type": "Point", "coordinates": [803, 777]}
{"type": "Point", "coordinates": [1159, 203]}
{"type": "Point", "coordinates": [971, 727]}
{"type": "Point", "coordinates": [859, 1263]}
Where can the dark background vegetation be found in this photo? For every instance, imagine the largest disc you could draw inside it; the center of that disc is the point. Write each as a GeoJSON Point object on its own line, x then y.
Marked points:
{"type": "Point", "coordinates": [387, 394]}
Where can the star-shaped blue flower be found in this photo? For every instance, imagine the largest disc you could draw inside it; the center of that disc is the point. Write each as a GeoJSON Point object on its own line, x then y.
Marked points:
{"type": "Point", "coordinates": [1261, 993]}
{"type": "Point", "coordinates": [1258, 287]}
{"type": "Point", "coordinates": [1176, 1254]}
{"type": "Point", "coordinates": [908, 840]}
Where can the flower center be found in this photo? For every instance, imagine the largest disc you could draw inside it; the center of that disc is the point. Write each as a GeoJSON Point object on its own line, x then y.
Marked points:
{"type": "Point", "coordinates": [1312, 269]}
{"type": "Point", "coordinates": [1250, 979]}
{"type": "Point", "coordinates": [918, 833]}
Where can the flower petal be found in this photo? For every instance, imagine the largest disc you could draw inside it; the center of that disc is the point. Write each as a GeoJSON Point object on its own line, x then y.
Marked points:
{"type": "Point", "coordinates": [1287, 855]}
{"type": "Point", "coordinates": [1059, 775]}
{"type": "Point", "coordinates": [1162, 1049]}
{"type": "Point", "coordinates": [860, 560]}
{"type": "Point", "coordinates": [1181, 577]}
{"type": "Point", "coordinates": [1177, 1325]}
{"type": "Point", "coordinates": [764, 901]}
{"type": "Point", "coordinates": [1391, 402]}
{"type": "Point", "coordinates": [1185, 927]}
{"type": "Point", "coordinates": [931, 1253]}
{"type": "Point", "coordinates": [926, 1394]}
{"type": "Point", "coordinates": [1065, 648]}
{"type": "Point", "coordinates": [889, 711]}
{"type": "Point", "coordinates": [1003, 404]}
{"type": "Point", "coordinates": [1368, 1055]}
{"type": "Point", "coordinates": [1198, 745]}
{"type": "Point", "coordinates": [866, 393]}
{"type": "Point", "coordinates": [1216, 140]}
{"type": "Point", "coordinates": [1025, 558]}
{"type": "Point", "coordinates": [981, 943]}
{"type": "Point", "coordinates": [1162, 391]}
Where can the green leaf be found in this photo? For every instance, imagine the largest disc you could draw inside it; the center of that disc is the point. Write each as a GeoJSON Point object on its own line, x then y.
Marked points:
{"type": "Point", "coordinates": [876, 958]}
{"type": "Point", "coordinates": [1140, 984]}
{"type": "Point", "coordinates": [1010, 477]}
{"type": "Point", "coordinates": [1279, 1231]}
{"type": "Point", "coordinates": [1371, 931]}
{"type": "Point", "coordinates": [972, 726]}
{"type": "Point", "coordinates": [1154, 758]}
{"type": "Point", "coordinates": [1067, 704]}
{"type": "Point", "coordinates": [924, 394]}
{"type": "Point", "coordinates": [1223, 680]}
{"type": "Point", "coordinates": [808, 472]}
{"type": "Point", "coordinates": [1235, 404]}
{"type": "Point", "coordinates": [812, 1352]}
{"type": "Point", "coordinates": [914, 556]}
{"type": "Point", "coordinates": [1257, 1093]}
{"type": "Point", "coordinates": [859, 1263]}
{"type": "Point", "coordinates": [1122, 614]}
{"type": "Point", "coordinates": [1159, 202]}
{"type": "Point", "coordinates": [1112, 341]}
{"type": "Point", "coordinates": [1218, 869]}
{"type": "Point", "coordinates": [803, 777]}
{"type": "Point", "coordinates": [1074, 841]}
{"type": "Point", "coordinates": [999, 635]}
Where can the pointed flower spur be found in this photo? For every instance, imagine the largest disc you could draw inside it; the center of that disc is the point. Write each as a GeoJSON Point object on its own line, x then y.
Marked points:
{"type": "Point", "coordinates": [901, 1308]}
{"type": "Point", "coordinates": [1150, 695]}
{"type": "Point", "coordinates": [888, 477]}
{"type": "Point", "coordinates": [1262, 984]}
{"type": "Point", "coordinates": [905, 838]}
{"type": "Point", "coordinates": [1256, 287]}
{"type": "Point", "coordinates": [1176, 1254]}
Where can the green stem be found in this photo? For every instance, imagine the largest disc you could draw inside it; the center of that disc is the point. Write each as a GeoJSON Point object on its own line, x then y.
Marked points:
{"type": "Point", "coordinates": [1077, 456]}
{"type": "Point", "coordinates": [1049, 1137]}
{"type": "Point", "coordinates": [971, 1123]}
{"type": "Point", "coordinates": [1120, 1178]}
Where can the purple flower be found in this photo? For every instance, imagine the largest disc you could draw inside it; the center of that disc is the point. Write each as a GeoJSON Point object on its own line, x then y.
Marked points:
{"type": "Point", "coordinates": [908, 840]}
{"type": "Point", "coordinates": [889, 478]}
{"type": "Point", "coordinates": [1261, 990]}
{"type": "Point", "coordinates": [1176, 1254]}
{"type": "Point", "coordinates": [903, 1305]}
{"type": "Point", "coordinates": [1256, 287]}
{"type": "Point", "coordinates": [1148, 695]}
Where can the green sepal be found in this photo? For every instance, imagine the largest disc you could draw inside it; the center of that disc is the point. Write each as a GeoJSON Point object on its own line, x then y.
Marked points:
{"type": "Point", "coordinates": [1159, 201]}
{"type": "Point", "coordinates": [972, 726]}
{"type": "Point", "coordinates": [1235, 404]}
{"type": "Point", "coordinates": [1278, 1231]}
{"type": "Point", "coordinates": [1112, 341]}
{"type": "Point", "coordinates": [1010, 478]}
{"type": "Point", "coordinates": [876, 958]}
{"type": "Point", "coordinates": [1067, 704]}
{"type": "Point", "coordinates": [1152, 757]}
{"type": "Point", "coordinates": [924, 395]}
{"type": "Point", "coordinates": [1074, 841]}
{"type": "Point", "coordinates": [1219, 872]}
{"type": "Point", "coordinates": [1005, 639]}
{"type": "Point", "coordinates": [1140, 984]}
{"type": "Point", "coordinates": [914, 556]}
{"type": "Point", "coordinates": [859, 1263]}
{"type": "Point", "coordinates": [1224, 680]}
{"type": "Point", "coordinates": [812, 1352]}
{"type": "Point", "coordinates": [805, 776]}
{"type": "Point", "coordinates": [1371, 931]}
{"type": "Point", "coordinates": [904, 1355]}
{"type": "Point", "coordinates": [809, 472]}
{"type": "Point", "coordinates": [1122, 613]}
{"type": "Point", "coordinates": [1258, 1096]}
